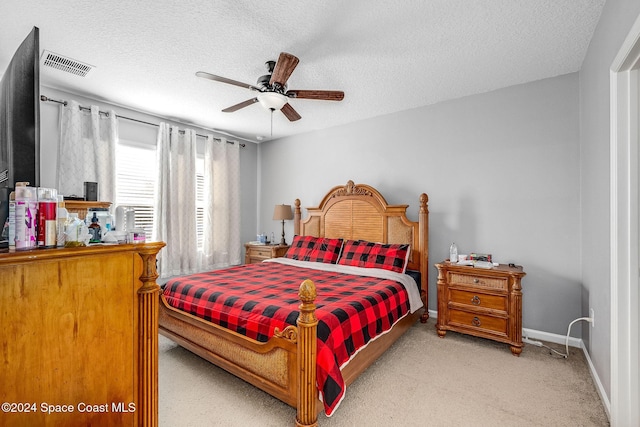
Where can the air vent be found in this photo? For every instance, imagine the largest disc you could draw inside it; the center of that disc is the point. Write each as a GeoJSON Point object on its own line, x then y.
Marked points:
{"type": "Point", "coordinates": [62, 63]}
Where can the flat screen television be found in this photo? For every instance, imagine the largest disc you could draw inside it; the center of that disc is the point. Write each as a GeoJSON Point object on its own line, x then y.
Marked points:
{"type": "Point", "coordinates": [20, 122]}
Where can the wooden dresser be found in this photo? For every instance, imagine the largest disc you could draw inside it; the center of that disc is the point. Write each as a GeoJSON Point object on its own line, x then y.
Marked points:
{"type": "Point", "coordinates": [79, 336]}
{"type": "Point", "coordinates": [483, 302]}
{"type": "Point", "coordinates": [255, 253]}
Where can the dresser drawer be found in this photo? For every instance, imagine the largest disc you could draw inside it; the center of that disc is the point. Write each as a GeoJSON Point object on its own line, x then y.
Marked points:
{"type": "Point", "coordinates": [501, 283]}
{"type": "Point", "coordinates": [477, 299]}
{"type": "Point", "coordinates": [478, 321]}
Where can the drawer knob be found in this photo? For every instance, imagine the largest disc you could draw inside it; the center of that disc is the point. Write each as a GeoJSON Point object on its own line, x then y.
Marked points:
{"type": "Point", "coordinates": [476, 280]}
{"type": "Point", "coordinates": [476, 321]}
{"type": "Point", "coordinates": [475, 300]}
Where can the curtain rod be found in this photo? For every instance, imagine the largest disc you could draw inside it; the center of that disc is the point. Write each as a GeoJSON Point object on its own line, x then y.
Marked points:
{"type": "Point", "coordinates": [47, 99]}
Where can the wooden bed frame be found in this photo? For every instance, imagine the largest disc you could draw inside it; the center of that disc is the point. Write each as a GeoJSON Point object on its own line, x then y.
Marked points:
{"type": "Point", "coordinates": [285, 365]}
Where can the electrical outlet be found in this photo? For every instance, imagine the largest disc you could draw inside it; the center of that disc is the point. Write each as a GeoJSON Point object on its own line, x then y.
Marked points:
{"type": "Point", "coordinates": [592, 316]}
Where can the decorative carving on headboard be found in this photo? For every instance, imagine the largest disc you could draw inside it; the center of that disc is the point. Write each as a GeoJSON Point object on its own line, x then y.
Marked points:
{"type": "Point", "coordinates": [351, 189]}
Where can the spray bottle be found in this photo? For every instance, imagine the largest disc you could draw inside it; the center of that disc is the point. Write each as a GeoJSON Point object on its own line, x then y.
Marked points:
{"type": "Point", "coordinates": [26, 209]}
{"type": "Point", "coordinates": [47, 207]}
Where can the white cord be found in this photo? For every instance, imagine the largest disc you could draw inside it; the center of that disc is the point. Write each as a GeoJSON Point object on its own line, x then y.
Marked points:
{"type": "Point", "coordinates": [566, 344]}
{"type": "Point", "coordinates": [566, 355]}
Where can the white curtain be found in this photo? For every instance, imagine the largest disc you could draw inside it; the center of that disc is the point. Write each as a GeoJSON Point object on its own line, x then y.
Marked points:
{"type": "Point", "coordinates": [221, 242]}
{"type": "Point", "coordinates": [86, 151]}
{"type": "Point", "coordinates": [175, 222]}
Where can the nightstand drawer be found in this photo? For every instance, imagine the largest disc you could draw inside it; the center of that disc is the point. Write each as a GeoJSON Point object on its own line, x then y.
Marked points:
{"type": "Point", "coordinates": [478, 321]}
{"type": "Point", "coordinates": [477, 299]}
{"type": "Point", "coordinates": [475, 280]}
{"type": "Point", "coordinates": [261, 252]}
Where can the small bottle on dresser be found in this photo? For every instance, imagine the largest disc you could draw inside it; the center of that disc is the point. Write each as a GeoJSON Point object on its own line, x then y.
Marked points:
{"type": "Point", "coordinates": [95, 230]}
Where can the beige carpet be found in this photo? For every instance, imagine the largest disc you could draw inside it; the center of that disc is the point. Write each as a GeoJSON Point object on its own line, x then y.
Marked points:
{"type": "Point", "coordinates": [421, 381]}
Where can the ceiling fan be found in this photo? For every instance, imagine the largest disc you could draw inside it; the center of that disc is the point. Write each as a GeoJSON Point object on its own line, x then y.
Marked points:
{"type": "Point", "coordinates": [272, 88]}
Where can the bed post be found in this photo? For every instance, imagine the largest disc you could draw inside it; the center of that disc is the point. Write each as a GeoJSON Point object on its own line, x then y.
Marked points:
{"type": "Point", "coordinates": [148, 301]}
{"type": "Point", "coordinates": [424, 254]}
{"type": "Point", "coordinates": [297, 215]}
{"type": "Point", "coordinates": [307, 415]}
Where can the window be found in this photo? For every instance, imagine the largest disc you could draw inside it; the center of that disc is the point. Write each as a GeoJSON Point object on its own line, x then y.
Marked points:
{"type": "Point", "coordinates": [200, 198]}
{"type": "Point", "coordinates": [136, 175]}
{"type": "Point", "coordinates": [135, 180]}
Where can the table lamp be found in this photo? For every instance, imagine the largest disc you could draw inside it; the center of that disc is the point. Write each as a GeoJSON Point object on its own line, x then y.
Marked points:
{"type": "Point", "coordinates": [281, 213]}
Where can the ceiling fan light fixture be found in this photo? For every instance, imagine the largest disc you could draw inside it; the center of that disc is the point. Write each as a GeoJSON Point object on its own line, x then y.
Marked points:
{"type": "Point", "coordinates": [272, 100]}
{"type": "Point", "coordinates": [272, 91]}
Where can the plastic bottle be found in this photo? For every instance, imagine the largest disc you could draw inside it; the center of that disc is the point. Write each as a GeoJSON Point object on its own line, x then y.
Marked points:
{"type": "Point", "coordinates": [46, 217]}
{"type": "Point", "coordinates": [94, 230]}
{"type": "Point", "coordinates": [74, 232]}
{"type": "Point", "coordinates": [120, 212]}
{"type": "Point", "coordinates": [26, 209]}
{"type": "Point", "coordinates": [453, 253]}
{"type": "Point", "coordinates": [62, 218]}
{"type": "Point", "coordinates": [129, 220]}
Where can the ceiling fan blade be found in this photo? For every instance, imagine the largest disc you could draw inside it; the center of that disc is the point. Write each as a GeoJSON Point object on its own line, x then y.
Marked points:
{"type": "Point", "coordinates": [290, 113]}
{"type": "Point", "coordinates": [240, 105]}
{"type": "Point", "coordinates": [225, 80]}
{"type": "Point", "coordinates": [326, 95]}
{"type": "Point", "coordinates": [284, 67]}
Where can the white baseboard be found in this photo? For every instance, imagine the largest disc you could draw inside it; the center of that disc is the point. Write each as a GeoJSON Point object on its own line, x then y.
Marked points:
{"type": "Point", "coordinates": [573, 342]}
{"type": "Point", "coordinates": [549, 337]}
{"type": "Point", "coordinates": [596, 379]}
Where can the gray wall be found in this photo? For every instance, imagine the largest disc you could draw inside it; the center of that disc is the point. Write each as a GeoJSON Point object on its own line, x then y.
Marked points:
{"type": "Point", "coordinates": [615, 22]}
{"type": "Point", "coordinates": [50, 137]}
{"type": "Point", "coordinates": [501, 170]}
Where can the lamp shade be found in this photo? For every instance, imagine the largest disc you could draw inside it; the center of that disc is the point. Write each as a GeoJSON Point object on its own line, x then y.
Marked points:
{"type": "Point", "coordinates": [282, 212]}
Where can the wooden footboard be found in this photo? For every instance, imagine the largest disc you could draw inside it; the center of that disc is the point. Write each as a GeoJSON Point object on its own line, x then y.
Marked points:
{"type": "Point", "coordinates": [284, 366]}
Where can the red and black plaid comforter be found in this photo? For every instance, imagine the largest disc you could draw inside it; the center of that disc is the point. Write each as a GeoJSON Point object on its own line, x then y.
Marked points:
{"type": "Point", "coordinates": [254, 299]}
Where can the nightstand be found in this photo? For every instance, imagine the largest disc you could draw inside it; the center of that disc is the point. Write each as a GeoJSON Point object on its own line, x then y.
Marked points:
{"type": "Point", "coordinates": [255, 253]}
{"type": "Point", "coordinates": [485, 303]}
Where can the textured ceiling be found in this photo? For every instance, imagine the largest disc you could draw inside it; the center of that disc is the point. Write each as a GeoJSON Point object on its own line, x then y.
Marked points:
{"type": "Point", "coordinates": [386, 56]}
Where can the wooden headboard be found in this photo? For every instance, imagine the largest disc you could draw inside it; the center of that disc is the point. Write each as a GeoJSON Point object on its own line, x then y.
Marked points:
{"type": "Point", "coordinates": [359, 212]}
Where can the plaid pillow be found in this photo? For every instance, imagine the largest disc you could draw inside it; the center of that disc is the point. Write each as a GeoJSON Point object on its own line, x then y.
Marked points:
{"type": "Point", "coordinates": [314, 249]}
{"type": "Point", "coordinates": [360, 253]}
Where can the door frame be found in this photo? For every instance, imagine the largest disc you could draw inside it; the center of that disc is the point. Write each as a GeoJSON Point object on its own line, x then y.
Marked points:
{"type": "Point", "coordinates": [625, 230]}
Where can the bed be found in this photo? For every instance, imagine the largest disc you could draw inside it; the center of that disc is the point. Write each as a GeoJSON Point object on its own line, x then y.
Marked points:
{"type": "Point", "coordinates": [286, 359]}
